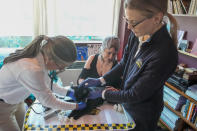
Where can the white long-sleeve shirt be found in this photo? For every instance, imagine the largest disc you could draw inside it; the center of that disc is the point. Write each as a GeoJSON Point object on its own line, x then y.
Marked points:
{"type": "Point", "coordinates": [28, 75]}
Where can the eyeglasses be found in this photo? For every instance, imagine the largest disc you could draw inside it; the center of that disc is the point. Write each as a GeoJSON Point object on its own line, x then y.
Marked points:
{"type": "Point", "coordinates": [134, 24]}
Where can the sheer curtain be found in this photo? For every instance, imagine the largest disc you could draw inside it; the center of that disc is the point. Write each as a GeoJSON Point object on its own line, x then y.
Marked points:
{"type": "Point", "coordinates": [16, 18]}
{"type": "Point", "coordinates": [40, 17]}
{"type": "Point", "coordinates": [116, 14]}
{"type": "Point", "coordinates": [76, 17]}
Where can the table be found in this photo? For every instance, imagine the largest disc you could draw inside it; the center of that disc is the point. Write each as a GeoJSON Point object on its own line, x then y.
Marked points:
{"type": "Point", "coordinates": [107, 119]}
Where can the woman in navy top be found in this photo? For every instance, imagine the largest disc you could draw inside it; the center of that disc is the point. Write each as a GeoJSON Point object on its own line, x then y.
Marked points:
{"type": "Point", "coordinates": [146, 63]}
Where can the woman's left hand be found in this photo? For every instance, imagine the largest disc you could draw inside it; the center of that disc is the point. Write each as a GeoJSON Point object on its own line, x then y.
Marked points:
{"type": "Point", "coordinates": [111, 88]}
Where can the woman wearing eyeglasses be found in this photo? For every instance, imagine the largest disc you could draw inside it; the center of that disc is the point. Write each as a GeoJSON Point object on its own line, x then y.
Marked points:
{"type": "Point", "coordinates": [26, 71]}
{"type": "Point", "coordinates": [146, 64]}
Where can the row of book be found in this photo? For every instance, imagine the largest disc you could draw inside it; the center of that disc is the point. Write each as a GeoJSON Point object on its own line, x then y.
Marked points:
{"type": "Point", "coordinates": [182, 7]}
{"type": "Point", "coordinates": [179, 83]}
{"type": "Point", "coordinates": [171, 97]}
{"type": "Point", "coordinates": [184, 78]}
{"type": "Point", "coordinates": [189, 111]}
{"type": "Point", "coordinates": [169, 118]}
{"type": "Point", "coordinates": [192, 91]}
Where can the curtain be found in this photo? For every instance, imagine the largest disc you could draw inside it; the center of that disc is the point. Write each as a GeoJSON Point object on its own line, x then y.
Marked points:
{"type": "Point", "coordinates": [116, 14]}
{"type": "Point", "coordinates": [40, 17]}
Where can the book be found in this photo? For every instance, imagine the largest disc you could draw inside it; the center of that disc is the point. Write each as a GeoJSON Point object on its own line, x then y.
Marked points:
{"type": "Point", "coordinates": [180, 10]}
{"type": "Point", "coordinates": [183, 45]}
{"type": "Point", "coordinates": [186, 4]}
{"type": "Point", "coordinates": [82, 53]}
{"type": "Point", "coordinates": [170, 10]}
{"type": "Point", "coordinates": [192, 7]}
{"type": "Point", "coordinates": [192, 91]}
{"type": "Point", "coordinates": [194, 114]}
{"type": "Point", "coordinates": [175, 7]}
{"type": "Point", "coordinates": [180, 35]}
{"type": "Point", "coordinates": [186, 109]}
{"type": "Point", "coordinates": [189, 110]}
{"type": "Point", "coordinates": [183, 7]}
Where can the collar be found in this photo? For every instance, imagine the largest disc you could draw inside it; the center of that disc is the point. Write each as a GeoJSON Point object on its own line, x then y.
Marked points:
{"type": "Point", "coordinates": [156, 36]}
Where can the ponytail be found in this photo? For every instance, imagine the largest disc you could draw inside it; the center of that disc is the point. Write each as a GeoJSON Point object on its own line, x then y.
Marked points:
{"type": "Point", "coordinates": [29, 51]}
{"type": "Point", "coordinates": [173, 28]}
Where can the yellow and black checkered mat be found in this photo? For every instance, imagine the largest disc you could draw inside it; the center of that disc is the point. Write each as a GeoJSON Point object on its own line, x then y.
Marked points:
{"type": "Point", "coordinates": [79, 127]}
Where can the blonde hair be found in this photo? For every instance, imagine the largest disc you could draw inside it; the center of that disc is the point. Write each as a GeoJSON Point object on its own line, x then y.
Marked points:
{"type": "Point", "coordinates": [59, 48]}
{"type": "Point", "coordinates": [149, 8]}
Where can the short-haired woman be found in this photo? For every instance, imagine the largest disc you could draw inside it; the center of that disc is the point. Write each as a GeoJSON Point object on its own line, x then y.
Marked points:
{"type": "Point", "coordinates": [97, 65]}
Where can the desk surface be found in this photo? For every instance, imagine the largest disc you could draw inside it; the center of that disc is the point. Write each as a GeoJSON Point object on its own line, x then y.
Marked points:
{"type": "Point", "coordinates": [107, 119]}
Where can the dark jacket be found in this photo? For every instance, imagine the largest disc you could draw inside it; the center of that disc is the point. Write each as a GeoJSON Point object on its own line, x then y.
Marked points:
{"type": "Point", "coordinates": [144, 75]}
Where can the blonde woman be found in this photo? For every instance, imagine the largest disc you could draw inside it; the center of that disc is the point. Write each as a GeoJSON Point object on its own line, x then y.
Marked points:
{"type": "Point", "coordinates": [146, 63]}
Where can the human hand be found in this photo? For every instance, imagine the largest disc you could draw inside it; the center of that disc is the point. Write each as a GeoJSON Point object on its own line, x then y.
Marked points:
{"type": "Point", "coordinates": [70, 93]}
{"type": "Point", "coordinates": [111, 88]}
{"type": "Point", "coordinates": [90, 82]}
{"type": "Point", "coordinates": [95, 92]}
{"type": "Point", "coordinates": [81, 106]}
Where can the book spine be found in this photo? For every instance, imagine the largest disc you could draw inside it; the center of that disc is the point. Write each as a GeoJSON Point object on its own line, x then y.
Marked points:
{"type": "Point", "coordinates": [186, 108]}
{"type": "Point", "coordinates": [189, 110]}
{"type": "Point", "coordinates": [194, 115]}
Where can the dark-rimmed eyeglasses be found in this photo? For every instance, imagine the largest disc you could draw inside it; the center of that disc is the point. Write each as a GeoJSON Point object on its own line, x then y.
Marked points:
{"type": "Point", "coordinates": [134, 24]}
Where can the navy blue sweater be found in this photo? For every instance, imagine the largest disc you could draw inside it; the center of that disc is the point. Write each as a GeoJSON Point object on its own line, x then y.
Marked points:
{"type": "Point", "coordinates": [144, 75]}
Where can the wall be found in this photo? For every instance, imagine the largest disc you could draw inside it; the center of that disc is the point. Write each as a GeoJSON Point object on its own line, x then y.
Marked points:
{"type": "Point", "coordinates": [189, 24]}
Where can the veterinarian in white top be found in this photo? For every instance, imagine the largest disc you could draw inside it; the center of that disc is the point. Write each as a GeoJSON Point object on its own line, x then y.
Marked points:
{"type": "Point", "coordinates": [26, 72]}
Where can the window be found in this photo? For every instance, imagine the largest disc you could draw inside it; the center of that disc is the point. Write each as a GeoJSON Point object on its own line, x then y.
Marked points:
{"type": "Point", "coordinates": [80, 19]}
{"type": "Point", "coordinates": [16, 25]}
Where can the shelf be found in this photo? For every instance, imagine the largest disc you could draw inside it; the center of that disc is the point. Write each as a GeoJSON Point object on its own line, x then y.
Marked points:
{"type": "Point", "coordinates": [186, 53]}
{"type": "Point", "coordinates": [162, 122]}
{"type": "Point", "coordinates": [184, 15]}
{"type": "Point", "coordinates": [180, 115]}
{"type": "Point", "coordinates": [180, 92]}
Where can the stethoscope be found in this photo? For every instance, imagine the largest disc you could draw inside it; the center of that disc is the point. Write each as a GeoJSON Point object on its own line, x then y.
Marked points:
{"type": "Point", "coordinates": [53, 76]}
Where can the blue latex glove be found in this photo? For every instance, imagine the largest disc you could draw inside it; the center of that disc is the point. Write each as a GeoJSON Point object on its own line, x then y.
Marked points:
{"type": "Point", "coordinates": [96, 93]}
{"type": "Point", "coordinates": [70, 93]}
{"type": "Point", "coordinates": [90, 82]}
{"type": "Point", "coordinates": [81, 106]}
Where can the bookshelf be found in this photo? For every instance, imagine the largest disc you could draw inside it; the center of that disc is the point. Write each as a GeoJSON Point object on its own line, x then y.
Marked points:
{"type": "Point", "coordinates": [187, 7]}
{"type": "Point", "coordinates": [188, 54]}
{"type": "Point", "coordinates": [180, 92]}
{"type": "Point", "coordinates": [187, 23]}
{"type": "Point", "coordinates": [162, 122]}
{"type": "Point", "coordinates": [179, 114]}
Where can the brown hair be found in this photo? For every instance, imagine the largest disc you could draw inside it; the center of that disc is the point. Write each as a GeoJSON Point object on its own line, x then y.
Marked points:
{"type": "Point", "coordinates": [149, 8]}
{"type": "Point", "coordinates": [59, 48]}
